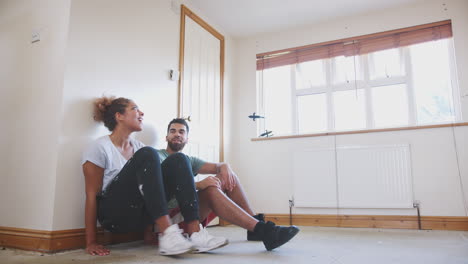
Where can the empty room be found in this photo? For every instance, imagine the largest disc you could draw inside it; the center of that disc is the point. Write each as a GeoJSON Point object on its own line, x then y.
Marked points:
{"type": "Point", "coordinates": [215, 131]}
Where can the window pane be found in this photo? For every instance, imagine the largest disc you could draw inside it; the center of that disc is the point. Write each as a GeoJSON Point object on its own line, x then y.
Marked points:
{"type": "Point", "coordinates": [310, 74]}
{"type": "Point", "coordinates": [344, 71]}
{"type": "Point", "coordinates": [277, 94]}
{"type": "Point", "coordinates": [390, 105]}
{"type": "Point", "coordinates": [312, 113]}
{"type": "Point", "coordinates": [386, 64]}
{"type": "Point", "coordinates": [350, 111]}
{"type": "Point", "coordinates": [432, 82]}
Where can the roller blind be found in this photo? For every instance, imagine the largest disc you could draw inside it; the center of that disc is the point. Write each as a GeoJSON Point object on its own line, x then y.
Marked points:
{"type": "Point", "coordinates": [357, 45]}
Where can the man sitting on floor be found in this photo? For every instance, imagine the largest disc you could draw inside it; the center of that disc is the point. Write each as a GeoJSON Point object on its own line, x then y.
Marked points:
{"type": "Point", "coordinates": [223, 194]}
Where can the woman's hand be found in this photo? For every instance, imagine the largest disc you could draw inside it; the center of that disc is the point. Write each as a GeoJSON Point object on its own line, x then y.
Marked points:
{"type": "Point", "coordinates": [96, 249]}
{"type": "Point", "coordinates": [209, 181]}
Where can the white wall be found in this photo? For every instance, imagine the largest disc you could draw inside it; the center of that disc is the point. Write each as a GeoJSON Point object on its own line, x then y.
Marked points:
{"type": "Point", "coordinates": [265, 167]}
{"type": "Point", "coordinates": [88, 48]}
{"type": "Point", "coordinates": [123, 48]}
{"type": "Point", "coordinates": [31, 78]}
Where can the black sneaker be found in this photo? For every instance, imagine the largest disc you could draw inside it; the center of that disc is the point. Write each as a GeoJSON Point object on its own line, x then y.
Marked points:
{"type": "Point", "coordinates": [275, 236]}
{"type": "Point", "coordinates": [252, 236]}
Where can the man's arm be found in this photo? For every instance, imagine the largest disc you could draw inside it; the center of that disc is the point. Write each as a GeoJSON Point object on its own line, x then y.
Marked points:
{"type": "Point", "coordinates": [223, 171]}
{"type": "Point", "coordinates": [209, 168]}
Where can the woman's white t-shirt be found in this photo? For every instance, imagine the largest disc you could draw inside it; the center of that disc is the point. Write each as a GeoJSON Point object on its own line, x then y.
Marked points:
{"type": "Point", "coordinates": [103, 153]}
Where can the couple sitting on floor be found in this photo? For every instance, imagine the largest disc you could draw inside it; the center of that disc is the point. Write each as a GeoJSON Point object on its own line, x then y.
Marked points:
{"type": "Point", "coordinates": [132, 187]}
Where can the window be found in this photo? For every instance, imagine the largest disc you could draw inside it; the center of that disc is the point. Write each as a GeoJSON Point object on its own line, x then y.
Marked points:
{"type": "Point", "coordinates": [350, 109]}
{"type": "Point", "coordinates": [389, 105]}
{"type": "Point", "coordinates": [434, 96]}
{"type": "Point", "coordinates": [393, 79]}
{"type": "Point", "coordinates": [277, 98]}
{"type": "Point", "coordinates": [312, 113]}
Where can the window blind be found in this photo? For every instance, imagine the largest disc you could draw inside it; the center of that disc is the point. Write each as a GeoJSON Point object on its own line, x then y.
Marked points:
{"type": "Point", "coordinates": [357, 45]}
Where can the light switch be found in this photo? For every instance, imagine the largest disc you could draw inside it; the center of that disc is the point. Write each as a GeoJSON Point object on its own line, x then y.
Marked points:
{"type": "Point", "coordinates": [35, 37]}
{"type": "Point", "coordinates": [174, 75]}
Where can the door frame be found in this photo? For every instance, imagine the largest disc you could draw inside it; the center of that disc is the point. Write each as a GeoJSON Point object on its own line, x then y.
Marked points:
{"type": "Point", "coordinates": [185, 12]}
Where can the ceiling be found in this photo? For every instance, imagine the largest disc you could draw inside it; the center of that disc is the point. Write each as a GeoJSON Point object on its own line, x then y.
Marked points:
{"type": "Point", "coordinates": [242, 18]}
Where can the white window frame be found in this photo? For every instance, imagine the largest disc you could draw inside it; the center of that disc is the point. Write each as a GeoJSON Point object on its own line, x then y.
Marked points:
{"type": "Point", "coordinates": [366, 64]}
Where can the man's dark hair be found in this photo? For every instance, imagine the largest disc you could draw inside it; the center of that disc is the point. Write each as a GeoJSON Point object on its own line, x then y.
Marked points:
{"type": "Point", "coordinates": [178, 121]}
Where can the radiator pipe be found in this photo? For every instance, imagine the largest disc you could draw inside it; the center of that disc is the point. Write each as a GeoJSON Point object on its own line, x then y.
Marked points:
{"type": "Point", "coordinates": [416, 205]}
{"type": "Point", "coordinates": [290, 215]}
{"type": "Point", "coordinates": [291, 204]}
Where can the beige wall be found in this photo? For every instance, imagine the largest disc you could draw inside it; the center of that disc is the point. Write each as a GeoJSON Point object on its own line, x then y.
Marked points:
{"type": "Point", "coordinates": [265, 167]}
{"type": "Point", "coordinates": [89, 48]}
{"type": "Point", "coordinates": [31, 88]}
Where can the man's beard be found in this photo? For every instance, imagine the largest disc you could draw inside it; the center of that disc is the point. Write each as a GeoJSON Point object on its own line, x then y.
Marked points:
{"type": "Point", "coordinates": [176, 147]}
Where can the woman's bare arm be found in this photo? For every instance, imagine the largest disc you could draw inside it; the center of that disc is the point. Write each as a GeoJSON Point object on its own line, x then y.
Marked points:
{"type": "Point", "coordinates": [93, 185]}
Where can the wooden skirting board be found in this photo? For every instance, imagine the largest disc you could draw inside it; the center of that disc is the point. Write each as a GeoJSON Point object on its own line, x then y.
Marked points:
{"type": "Point", "coordinates": [53, 241]}
{"type": "Point", "coordinates": [374, 221]}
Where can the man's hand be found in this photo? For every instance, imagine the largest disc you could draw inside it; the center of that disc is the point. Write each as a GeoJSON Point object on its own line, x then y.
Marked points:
{"type": "Point", "coordinates": [209, 181]}
{"type": "Point", "coordinates": [96, 249]}
{"type": "Point", "coordinates": [227, 176]}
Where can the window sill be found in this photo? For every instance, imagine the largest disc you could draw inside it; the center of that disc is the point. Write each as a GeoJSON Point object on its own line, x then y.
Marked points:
{"type": "Point", "coordinates": [361, 131]}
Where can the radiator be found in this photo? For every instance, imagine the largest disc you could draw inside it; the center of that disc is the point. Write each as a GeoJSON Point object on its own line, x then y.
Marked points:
{"type": "Point", "coordinates": [353, 177]}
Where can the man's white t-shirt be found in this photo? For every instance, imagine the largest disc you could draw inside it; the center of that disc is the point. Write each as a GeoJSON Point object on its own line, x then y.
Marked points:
{"type": "Point", "coordinates": [104, 154]}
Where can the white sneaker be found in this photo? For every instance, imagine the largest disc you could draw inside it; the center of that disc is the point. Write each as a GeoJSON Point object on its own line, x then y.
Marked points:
{"type": "Point", "coordinates": [202, 241]}
{"type": "Point", "coordinates": [172, 242]}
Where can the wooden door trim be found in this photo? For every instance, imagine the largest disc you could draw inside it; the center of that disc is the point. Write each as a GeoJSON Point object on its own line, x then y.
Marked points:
{"type": "Point", "coordinates": [187, 12]}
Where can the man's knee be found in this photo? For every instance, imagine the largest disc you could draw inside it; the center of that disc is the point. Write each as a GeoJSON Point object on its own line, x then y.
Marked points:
{"type": "Point", "coordinates": [210, 196]}
{"type": "Point", "coordinates": [211, 191]}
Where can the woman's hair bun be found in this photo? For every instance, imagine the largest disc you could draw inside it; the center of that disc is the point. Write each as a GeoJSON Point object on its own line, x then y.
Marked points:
{"type": "Point", "coordinates": [100, 107]}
